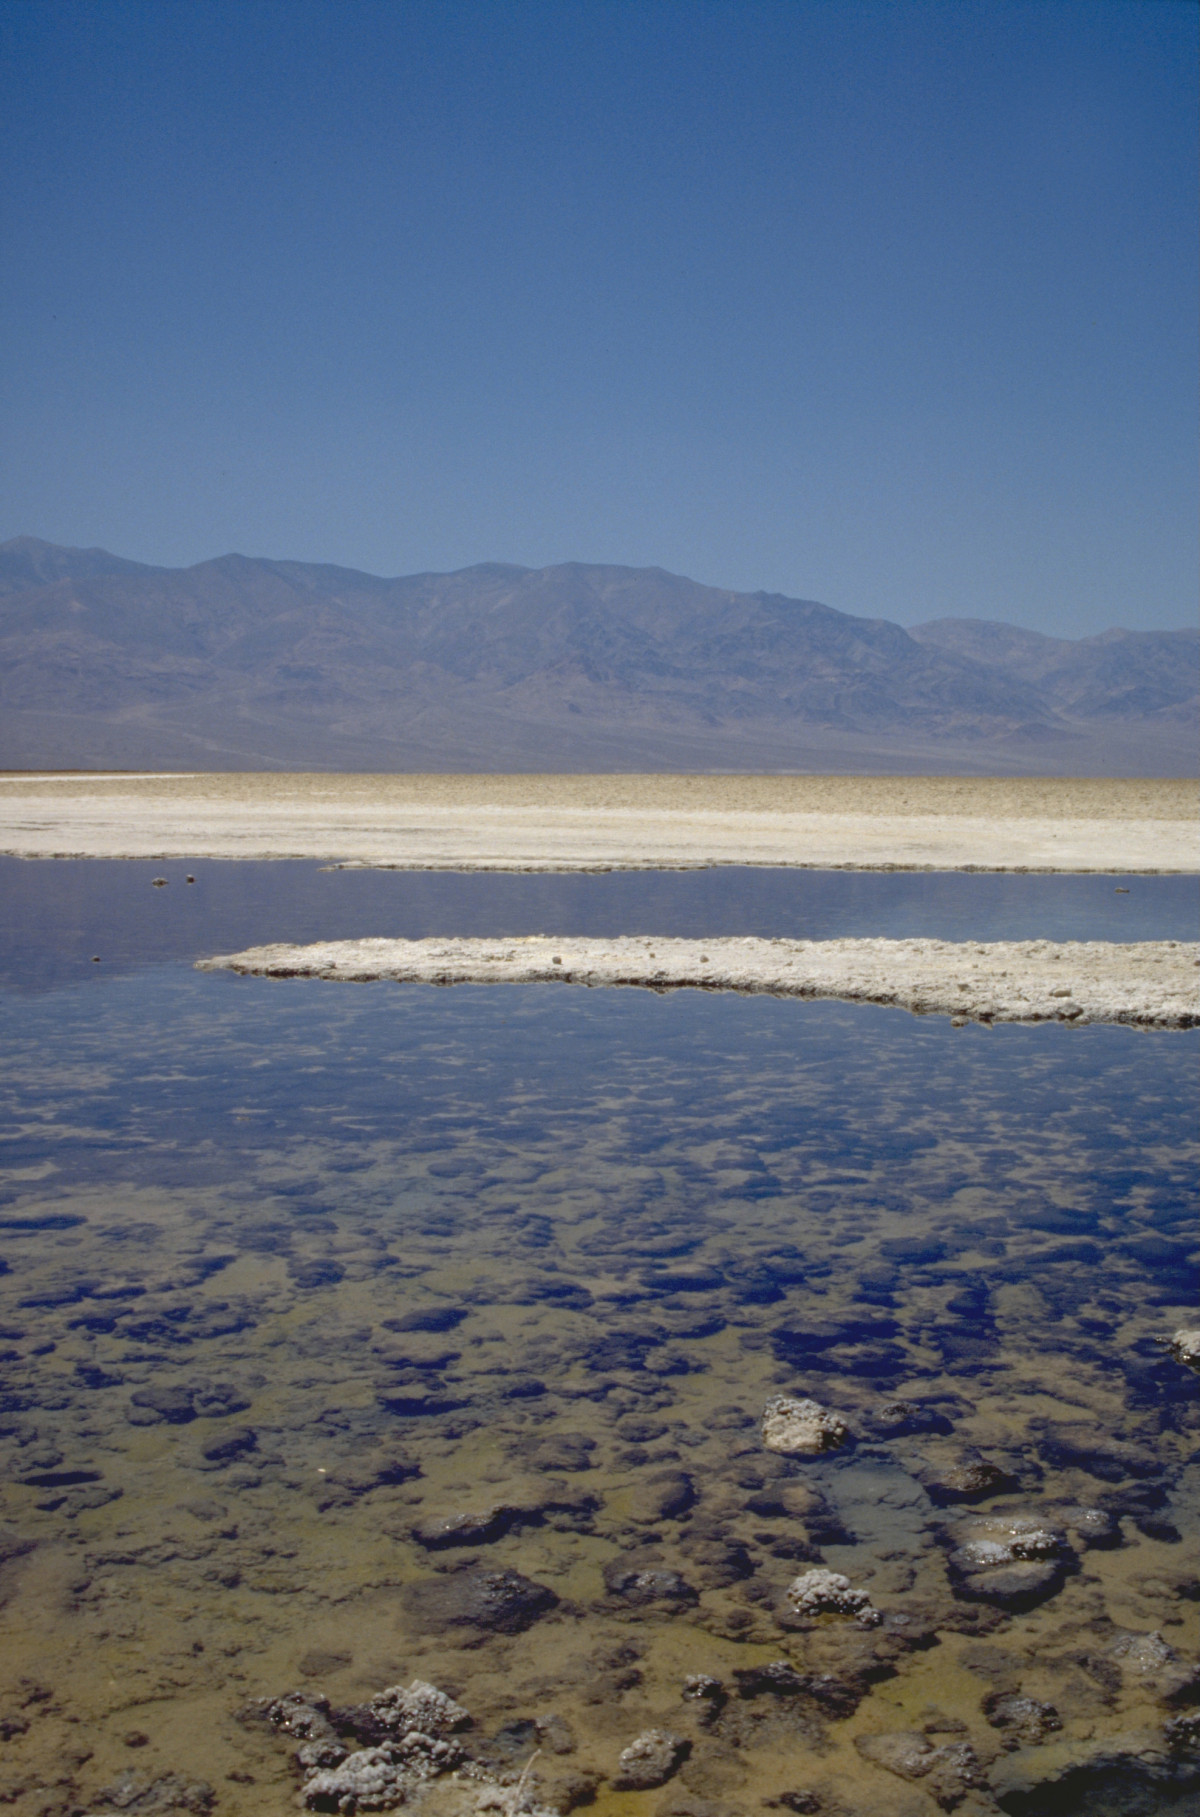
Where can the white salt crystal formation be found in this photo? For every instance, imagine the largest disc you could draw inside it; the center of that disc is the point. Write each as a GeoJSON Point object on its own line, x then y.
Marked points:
{"type": "Point", "coordinates": [824, 1592]}
{"type": "Point", "coordinates": [801, 1428]}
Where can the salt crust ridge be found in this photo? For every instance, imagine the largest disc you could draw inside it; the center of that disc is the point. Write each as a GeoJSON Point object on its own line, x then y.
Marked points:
{"type": "Point", "coordinates": [1149, 984]}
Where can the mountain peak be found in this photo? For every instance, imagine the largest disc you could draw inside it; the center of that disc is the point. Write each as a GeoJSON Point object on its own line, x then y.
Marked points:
{"type": "Point", "coordinates": [244, 661]}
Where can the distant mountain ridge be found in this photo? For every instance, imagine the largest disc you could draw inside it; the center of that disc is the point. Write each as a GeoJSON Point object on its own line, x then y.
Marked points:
{"type": "Point", "coordinates": [245, 662]}
{"type": "Point", "coordinates": [1120, 673]}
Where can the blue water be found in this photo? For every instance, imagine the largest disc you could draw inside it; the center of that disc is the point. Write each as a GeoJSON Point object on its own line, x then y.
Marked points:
{"type": "Point", "coordinates": [55, 916]}
{"type": "Point", "coordinates": [294, 1268]}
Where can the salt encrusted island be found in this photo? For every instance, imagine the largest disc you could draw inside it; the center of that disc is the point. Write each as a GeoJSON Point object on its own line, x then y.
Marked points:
{"type": "Point", "coordinates": [1148, 984]}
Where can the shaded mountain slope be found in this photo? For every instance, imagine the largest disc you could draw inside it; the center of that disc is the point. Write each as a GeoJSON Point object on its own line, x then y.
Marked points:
{"type": "Point", "coordinates": [241, 662]}
{"type": "Point", "coordinates": [1118, 673]}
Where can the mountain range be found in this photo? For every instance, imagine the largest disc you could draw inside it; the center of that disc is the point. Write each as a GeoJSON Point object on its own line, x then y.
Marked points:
{"type": "Point", "coordinates": [246, 663]}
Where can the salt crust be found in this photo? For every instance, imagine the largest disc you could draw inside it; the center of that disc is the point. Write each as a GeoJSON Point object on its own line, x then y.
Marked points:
{"type": "Point", "coordinates": [1151, 984]}
{"type": "Point", "coordinates": [603, 823]}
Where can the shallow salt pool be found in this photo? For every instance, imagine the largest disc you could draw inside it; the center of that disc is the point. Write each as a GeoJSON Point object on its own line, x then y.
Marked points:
{"type": "Point", "coordinates": [328, 1306]}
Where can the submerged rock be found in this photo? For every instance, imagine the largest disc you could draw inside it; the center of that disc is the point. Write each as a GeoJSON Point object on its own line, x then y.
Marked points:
{"type": "Point", "coordinates": [901, 1419]}
{"type": "Point", "coordinates": [824, 1592]}
{"type": "Point", "coordinates": [650, 1760]}
{"type": "Point", "coordinates": [1149, 1660]}
{"type": "Point", "coordinates": [180, 1404]}
{"type": "Point", "coordinates": [478, 1527]}
{"type": "Point", "coordinates": [965, 1478]}
{"type": "Point", "coordinates": [501, 1602]}
{"type": "Point", "coordinates": [703, 1688]}
{"type": "Point", "coordinates": [142, 1796]}
{"type": "Point", "coordinates": [647, 1582]}
{"type": "Point", "coordinates": [1136, 1772]}
{"type": "Point", "coordinates": [308, 1719]}
{"type": "Point", "coordinates": [427, 1318]}
{"type": "Point", "coordinates": [419, 1706]}
{"type": "Point", "coordinates": [562, 1508]}
{"type": "Point", "coordinates": [410, 1732]}
{"type": "Point", "coordinates": [1023, 1721]}
{"type": "Point", "coordinates": [377, 1779]}
{"type": "Point", "coordinates": [232, 1446]}
{"type": "Point", "coordinates": [343, 1485]}
{"type": "Point", "coordinates": [1110, 1459]}
{"type": "Point", "coordinates": [1182, 1733]}
{"type": "Point", "coordinates": [520, 1800]}
{"type": "Point", "coordinates": [663, 1497]}
{"type": "Point", "coordinates": [1011, 1560]}
{"type": "Point", "coordinates": [779, 1678]}
{"type": "Point", "coordinates": [805, 1503]}
{"type": "Point", "coordinates": [948, 1772]}
{"type": "Point", "coordinates": [1092, 1527]}
{"type": "Point", "coordinates": [715, 1561]}
{"type": "Point", "coordinates": [801, 1427]}
{"type": "Point", "coordinates": [1143, 1653]}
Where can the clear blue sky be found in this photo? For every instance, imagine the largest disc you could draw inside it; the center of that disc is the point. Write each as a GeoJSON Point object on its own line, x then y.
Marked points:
{"type": "Point", "coordinates": [889, 305]}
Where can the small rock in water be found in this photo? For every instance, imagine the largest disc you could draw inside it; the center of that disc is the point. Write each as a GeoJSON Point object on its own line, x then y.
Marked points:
{"type": "Point", "coordinates": [427, 1318]}
{"type": "Point", "coordinates": [825, 1592]}
{"type": "Point", "coordinates": [236, 1443]}
{"type": "Point", "coordinates": [779, 1678]}
{"type": "Point", "coordinates": [1091, 1526]}
{"type": "Point", "coordinates": [502, 1602]}
{"type": "Point", "coordinates": [421, 1706]}
{"type": "Point", "coordinates": [650, 1760]}
{"type": "Point", "coordinates": [1023, 1721]}
{"type": "Point", "coordinates": [477, 1528]}
{"type": "Point", "coordinates": [1143, 1653]}
{"type": "Point", "coordinates": [663, 1497]}
{"type": "Point", "coordinates": [319, 1662]}
{"type": "Point", "coordinates": [1012, 1560]}
{"type": "Point", "coordinates": [1182, 1733]}
{"type": "Point", "coordinates": [149, 1405]}
{"type": "Point", "coordinates": [145, 1797]}
{"type": "Point", "coordinates": [968, 1478]}
{"type": "Point", "coordinates": [949, 1772]}
{"type": "Point", "coordinates": [377, 1779]}
{"type": "Point", "coordinates": [700, 1687]}
{"type": "Point", "coordinates": [900, 1419]}
{"type": "Point", "coordinates": [1185, 1347]}
{"type": "Point", "coordinates": [646, 1583]}
{"type": "Point", "coordinates": [555, 1733]}
{"type": "Point", "coordinates": [520, 1800]}
{"type": "Point", "coordinates": [801, 1427]}
{"type": "Point", "coordinates": [1162, 1673]}
{"type": "Point", "coordinates": [308, 1719]}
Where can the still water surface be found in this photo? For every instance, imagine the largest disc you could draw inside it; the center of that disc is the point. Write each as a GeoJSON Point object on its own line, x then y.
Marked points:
{"type": "Point", "coordinates": [297, 1273]}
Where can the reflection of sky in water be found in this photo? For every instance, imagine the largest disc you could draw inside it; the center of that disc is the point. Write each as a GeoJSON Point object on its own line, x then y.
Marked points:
{"type": "Point", "coordinates": [621, 1221]}
{"type": "Point", "coordinates": [54, 917]}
